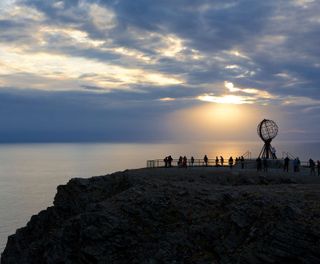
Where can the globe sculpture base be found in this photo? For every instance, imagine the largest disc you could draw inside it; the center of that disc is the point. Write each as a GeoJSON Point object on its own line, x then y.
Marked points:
{"type": "Point", "coordinates": [268, 151]}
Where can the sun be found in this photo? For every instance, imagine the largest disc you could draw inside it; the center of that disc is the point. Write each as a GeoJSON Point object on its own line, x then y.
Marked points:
{"type": "Point", "coordinates": [213, 121]}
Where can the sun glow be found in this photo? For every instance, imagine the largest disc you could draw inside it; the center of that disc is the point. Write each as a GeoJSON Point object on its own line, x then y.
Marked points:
{"type": "Point", "coordinates": [226, 99]}
{"type": "Point", "coordinates": [214, 121]}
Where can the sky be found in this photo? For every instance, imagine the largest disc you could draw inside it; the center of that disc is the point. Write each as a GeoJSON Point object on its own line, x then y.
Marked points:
{"type": "Point", "coordinates": [158, 71]}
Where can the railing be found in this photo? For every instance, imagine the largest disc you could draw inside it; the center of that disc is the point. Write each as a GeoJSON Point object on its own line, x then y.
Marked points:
{"type": "Point", "coordinates": [288, 154]}
{"type": "Point", "coordinates": [197, 163]}
{"type": "Point", "coordinates": [292, 157]}
{"type": "Point", "coordinates": [247, 155]}
{"type": "Point", "coordinates": [249, 163]}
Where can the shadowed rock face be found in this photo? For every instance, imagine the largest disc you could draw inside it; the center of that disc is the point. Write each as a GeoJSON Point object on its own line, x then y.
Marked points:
{"type": "Point", "coordinates": [174, 216]}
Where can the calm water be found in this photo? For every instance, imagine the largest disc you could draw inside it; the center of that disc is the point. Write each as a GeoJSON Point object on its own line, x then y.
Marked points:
{"type": "Point", "coordinates": [29, 173]}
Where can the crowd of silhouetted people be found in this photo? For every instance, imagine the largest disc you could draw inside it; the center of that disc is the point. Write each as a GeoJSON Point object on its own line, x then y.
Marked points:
{"type": "Point", "coordinates": [313, 166]}
{"type": "Point", "coordinates": [262, 164]}
{"type": "Point", "coordinates": [296, 164]}
{"type": "Point", "coordinates": [168, 161]}
{"type": "Point", "coordinates": [183, 162]}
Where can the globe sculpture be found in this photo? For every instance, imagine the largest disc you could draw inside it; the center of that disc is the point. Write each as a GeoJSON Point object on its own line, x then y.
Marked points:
{"type": "Point", "coordinates": [267, 130]}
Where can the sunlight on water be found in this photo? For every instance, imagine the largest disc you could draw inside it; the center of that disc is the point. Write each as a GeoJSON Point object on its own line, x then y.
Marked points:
{"type": "Point", "coordinates": [30, 173]}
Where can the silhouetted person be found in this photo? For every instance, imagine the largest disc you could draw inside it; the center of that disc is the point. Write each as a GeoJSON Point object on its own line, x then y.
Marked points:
{"type": "Point", "coordinates": [170, 159]}
{"type": "Point", "coordinates": [192, 161]}
{"type": "Point", "coordinates": [205, 159]}
{"type": "Point", "coordinates": [299, 163]}
{"type": "Point", "coordinates": [180, 162]}
{"type": "Point", "coordinates": [230, 162]}
{"type": "Point", "coordinates": [295, 165]}
{"type": "Point", "coordinates": [318, 167]}
{"type": "Point", "coordinates": [273, 153]}
{"type": "Point", "coordinates": [165, 160]}
{"type": "Point", "coordinates": [242, 162]}
{"type": "Point", "coordinates": [221, 160]}
{"type": "Point", "coordinates": [259, 164]}
{"type": "Point", "coordinates": [286, 164]}
{"type": "Point", "coordinates": [265, 164]}
{"type": "Point", "coordinates": [184, 162]}
{"type": "Point", "coordinates": [217, 161]}
{"type": "Point", "coordinates": [312, 166]}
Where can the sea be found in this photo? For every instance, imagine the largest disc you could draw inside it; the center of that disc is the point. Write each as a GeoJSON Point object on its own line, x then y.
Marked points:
{"type": "Point", "coordinates": [30, 173]}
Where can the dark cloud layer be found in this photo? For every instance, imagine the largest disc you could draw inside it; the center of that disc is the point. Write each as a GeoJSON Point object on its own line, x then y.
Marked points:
{"type": "Point", "coordinates": [72, 116]}
{"type": "Point", "coordinates": [268, 50]}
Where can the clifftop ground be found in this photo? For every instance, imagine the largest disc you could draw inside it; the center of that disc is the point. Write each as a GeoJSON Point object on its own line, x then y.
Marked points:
{"type": "Point", "coordinates": [194, 215]}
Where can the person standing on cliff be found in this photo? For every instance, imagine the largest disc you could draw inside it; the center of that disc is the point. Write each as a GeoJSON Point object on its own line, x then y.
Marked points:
{"type": "Point", "coordinates": [205, 159]}
{"type": "Point", "coordinates": [230, 162]}
{"type": "Point", "coordinates": [295, 165]}
{"type": "Point", "coordinates": [242, 162]}
{"type": "Point", "coordinates": [165, 162]}
{"type": "Point", "coordinates": [169, 160]}
{"type": "Point", "coordinates": [185, 162]}
{"type": "Point", "coordinates": [221, 160]}
{"type": "Point", "coordinates": [286, 164]}
{"type": "Point", "coordinates": [217, 161]}
{"type": "Point", "coordinates": [312, 166]}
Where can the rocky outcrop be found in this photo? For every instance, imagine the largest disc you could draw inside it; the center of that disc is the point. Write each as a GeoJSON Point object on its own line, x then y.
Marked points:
{"type": "Point", "coordinates": [174, 216]}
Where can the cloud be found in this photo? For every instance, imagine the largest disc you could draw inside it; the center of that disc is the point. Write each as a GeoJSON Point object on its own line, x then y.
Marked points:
{"type": "Point", "coordinates": [226, 99]}
{"type": "Point", "coordinates": [164, 53]}
{"type": "Point", "coordinates": [65, 67]}
{"type": "Point", "coordinates": [36, 116]}
{"type": "Point", "coordinates": [300, 101]}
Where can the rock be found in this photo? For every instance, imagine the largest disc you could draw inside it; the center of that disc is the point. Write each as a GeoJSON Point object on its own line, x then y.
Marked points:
{"type": "Point", "coordinates": [164, 216]}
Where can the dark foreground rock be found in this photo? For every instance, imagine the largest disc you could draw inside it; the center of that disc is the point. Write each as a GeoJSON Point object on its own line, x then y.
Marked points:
{"type": "Point", "coordinates": [174, 216]}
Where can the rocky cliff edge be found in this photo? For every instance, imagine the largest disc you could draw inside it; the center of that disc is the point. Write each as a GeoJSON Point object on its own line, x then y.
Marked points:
{"type": "Point", "coordinates": [194, 215]}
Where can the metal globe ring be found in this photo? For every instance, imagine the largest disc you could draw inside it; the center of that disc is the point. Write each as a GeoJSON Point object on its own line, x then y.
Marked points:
{"type": "Point", "coordinates": [267, 130]}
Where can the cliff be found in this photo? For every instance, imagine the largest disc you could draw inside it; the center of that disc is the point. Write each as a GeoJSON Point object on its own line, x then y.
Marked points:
{"type": "Point", "coordinates": [194, 215]}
